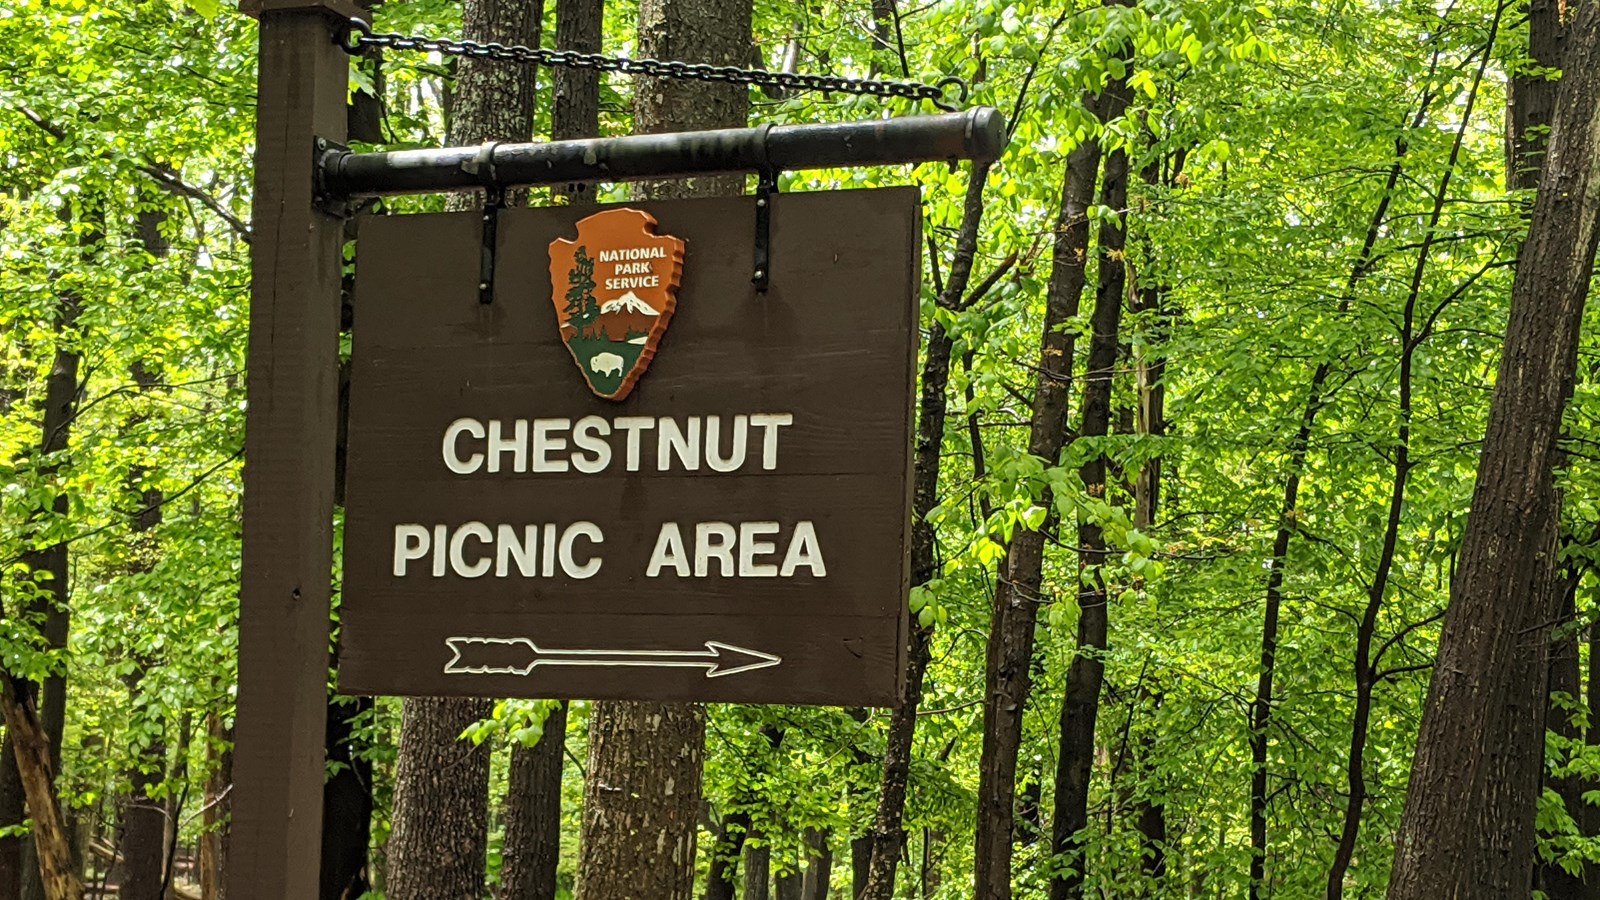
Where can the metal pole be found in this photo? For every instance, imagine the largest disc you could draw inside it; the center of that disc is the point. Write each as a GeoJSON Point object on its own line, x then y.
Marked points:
{"type": "Point", "coordinates": [977, 134]}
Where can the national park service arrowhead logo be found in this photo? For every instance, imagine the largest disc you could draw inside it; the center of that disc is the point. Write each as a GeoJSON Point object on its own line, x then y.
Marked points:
{"type": "Point", "coordinates": [615, 288]}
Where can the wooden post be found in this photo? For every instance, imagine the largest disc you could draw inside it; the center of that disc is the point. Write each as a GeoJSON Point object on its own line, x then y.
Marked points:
{"type": "Point", "coordinates": [289, 459]}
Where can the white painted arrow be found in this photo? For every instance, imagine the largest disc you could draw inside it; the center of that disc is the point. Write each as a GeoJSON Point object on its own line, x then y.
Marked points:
{"type": "Point", "coordinates": [718, 659]}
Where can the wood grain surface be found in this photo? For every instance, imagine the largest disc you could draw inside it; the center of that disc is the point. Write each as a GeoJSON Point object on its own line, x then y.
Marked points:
{"type": "Point", "coordinates": [833, 343]}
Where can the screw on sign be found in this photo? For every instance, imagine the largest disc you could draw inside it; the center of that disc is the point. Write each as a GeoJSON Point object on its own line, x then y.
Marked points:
{"type": "Point", "coordinates": [628, 477]}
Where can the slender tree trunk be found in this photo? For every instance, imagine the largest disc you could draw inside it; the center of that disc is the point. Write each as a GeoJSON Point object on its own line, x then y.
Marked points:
{"type": "Point", "coordinates": [788, 885]}
{"type": "Point", "coordinates": [1467, 830]}
{"type": "Point", "coordinates": [532, 848]}
{"type": "Point", "coordinates": [1566, 689]}
{"type": "Point", "coordinates": [819, 866]}
{"type": "Point", "coordinates": [533, 805]}
{"type": "Point", "coordinates": [757, 870]}
{"type": "Point", "coordinates": [726, 852]}
{"type": "Point", "coordinates": [1017, 599]}
{"type": "Point", "coordinates": [1081, 705]}
{"type": "Point", "coordinates": [1299, 446]}
{"type": "Point", "coordinates": [144, 820]}
{"type": "Point", "coordinates": [888, 833]}
{"type": "Point", "coordinates": [214, 817]}
{"type": "Point", "coordinates": [346, 803]}
{"type": "Point", "coordinates": [642, 801]}
{"type": "Point", "coordinates": [439, 843]}
{"type": "Point", "coordinates": [1150, 365]}
{"type": "Point", "coordinates": [13, 812]}
{"type": "Point", "coordinates": [1366, 661]}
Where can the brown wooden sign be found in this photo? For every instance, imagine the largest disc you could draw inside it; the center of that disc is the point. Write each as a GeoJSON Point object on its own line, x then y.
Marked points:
{"type": "Point", "coordinates": [717, 510]}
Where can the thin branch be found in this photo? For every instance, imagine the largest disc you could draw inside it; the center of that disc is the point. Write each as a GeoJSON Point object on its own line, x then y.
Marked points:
{"type": "Point", "coordinates": [165, 179]}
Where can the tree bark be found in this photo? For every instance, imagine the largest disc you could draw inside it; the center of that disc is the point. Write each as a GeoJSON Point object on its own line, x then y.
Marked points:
{"type": "Point", "coordinates": [214, 817]}
{"type": "Point", "coordinates": [888, 833]}
{"type": "Point", "coordinates": [1566, 689]}
{"type": "Point", "coordinates": [1532, 96]}
{"type": "Point", "coordinates": [575, 103]}
{"type": "Point", "coordinates": [1080, 706]}
{"type": "Point", "coordinates": [642, 801]}
{"type": "Point", "coordinates": [31, 747]}
{"type": "Point", "coordinates": [13, 811]}
{"type": "Point", "coordinates": [532, 849]}
{"type": "Point", "coordinates": [726, 851]}
{"type": "Point", "coordinates": [819, 866]}
{"type": "Point", "coordinates": [757, 871]}
{"type": "Point", "coordinates": [440, 838]}
{"type": "Point", "coordinates": [346, 804]}
{"type": "Point", "coordinates": [144, 821]}
{"type": "Point", "coordinates": [1011, 638]}
{"type": "Point", "coordinates": [1467, 830]}
{"type": "Point", "coordinates": [533, 804]}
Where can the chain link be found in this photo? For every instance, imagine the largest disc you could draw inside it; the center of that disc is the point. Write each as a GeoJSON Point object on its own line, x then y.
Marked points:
{"type": "Point", "coordinates": [356, 36]}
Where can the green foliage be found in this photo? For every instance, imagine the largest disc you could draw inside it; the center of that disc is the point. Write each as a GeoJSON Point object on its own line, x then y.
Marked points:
{"type": "Point", "coordinates": [1260, 139]}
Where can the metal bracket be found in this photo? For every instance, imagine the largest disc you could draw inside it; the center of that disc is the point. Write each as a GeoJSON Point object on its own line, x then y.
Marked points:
{"type": "Point", "coordinates": [324, 155]}
{"type": "Point", "coordinates": [494, 200]}
{"type": "Point", "coordinates": [766, 194]}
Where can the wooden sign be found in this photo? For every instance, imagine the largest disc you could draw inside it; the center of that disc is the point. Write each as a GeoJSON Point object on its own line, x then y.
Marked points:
{"type": "Point", "coordinates": [630, 475]}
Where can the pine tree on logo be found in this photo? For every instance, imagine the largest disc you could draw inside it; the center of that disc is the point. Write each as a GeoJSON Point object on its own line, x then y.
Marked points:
{"type": "Point", "coordinates": [582, 308]}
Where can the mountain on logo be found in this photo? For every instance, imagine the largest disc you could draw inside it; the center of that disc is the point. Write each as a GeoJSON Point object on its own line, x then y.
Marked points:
{"type": "Point", "coordinates": [624, 319]}
{"type": "Point", "coordinates": [627, 303]}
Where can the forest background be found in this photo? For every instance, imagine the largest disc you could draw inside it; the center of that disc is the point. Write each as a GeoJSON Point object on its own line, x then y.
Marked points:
{"type": "Point", "coordinates": [1208, 358]}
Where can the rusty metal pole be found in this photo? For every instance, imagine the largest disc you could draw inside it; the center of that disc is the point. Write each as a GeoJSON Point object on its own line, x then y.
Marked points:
{"type": "Point", "coordinates": [293, 369]}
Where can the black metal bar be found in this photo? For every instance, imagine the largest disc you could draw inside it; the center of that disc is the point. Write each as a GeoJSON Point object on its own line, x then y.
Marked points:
{"type": "Point", "coordinates": [978, 134]}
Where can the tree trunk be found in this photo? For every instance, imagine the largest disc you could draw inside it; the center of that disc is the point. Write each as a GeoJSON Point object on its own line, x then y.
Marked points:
{"type": "Point", "coordinates": [757, 871]}
{"type": "Point", "coordinates": [888, 834]}
{"type": "Point", "coordinates": [1467, 831]}
{"type": "Point", "coordinates": [726, 851]}
{"type": "Point", "coordinates": [532, 848]}
{"type": "Point", "coordinates": [575, 104]}
{"type": "Point", "coordinates": [1086, 675]}
{"type": "Point", "coordinates": [1017, 599]}
{"type": "Point", "coordinates": [1532, 96]}
{"type": "Point", "coordinates": [1150, 365]}
{"type": "Point", "coordinates": [1299, 447]}
{"type": "Point", "coordinates": [13, 812]}
{"type": "Point", "coordinates": [346, 804]}
{"type": "Point", "coordinates": [31, 747]}
{"type": "Point", "coordinates": [819, 866]}
{"type": "Point", "coordinates": [1566, 687]}
{"type": "Point", "coordinates": [439, 845]}
{"type": "Point", "coordinates": [643, 797]}
{"type": "Point", "coordinates": [144, 820]}
{"type": "Point", "coordinates": [214, 818]}
{"type": "Point", "coordinates": [787, 886]}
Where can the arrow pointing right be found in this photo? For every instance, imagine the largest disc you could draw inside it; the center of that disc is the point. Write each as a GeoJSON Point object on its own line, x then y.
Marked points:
{"type": "Point", "coordinates": [472, 655]}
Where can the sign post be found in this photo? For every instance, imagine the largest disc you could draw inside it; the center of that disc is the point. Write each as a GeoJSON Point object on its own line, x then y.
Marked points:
{"type": "Point", "coordinates": [768, 562]}
{"type": "Point", "coordinates": [629, 475]}
{"type": "Point", "coordinates": [278, 763]}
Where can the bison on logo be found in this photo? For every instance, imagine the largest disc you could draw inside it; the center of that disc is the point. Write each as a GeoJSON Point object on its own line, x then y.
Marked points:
{"type": "Point", "coordinates": [615, 289]}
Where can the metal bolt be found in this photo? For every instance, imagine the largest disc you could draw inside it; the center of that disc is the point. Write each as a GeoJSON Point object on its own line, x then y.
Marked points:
{"type": "Point", "coordinates": [760, 273]}
{"type": "Point", "coordinates": [483, 285]}
{"type": "Point", "coordinates": [761, 201]}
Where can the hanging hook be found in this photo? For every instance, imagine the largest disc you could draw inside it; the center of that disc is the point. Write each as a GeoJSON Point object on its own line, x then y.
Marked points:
{"type": "Point", "coordinates": [494, 200]}
{"type": "Point", "coordinates": [766, 193]}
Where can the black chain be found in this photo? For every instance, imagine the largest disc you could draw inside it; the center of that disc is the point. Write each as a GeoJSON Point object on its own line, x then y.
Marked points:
{"type": "Point", "coordinates": [356, 36]}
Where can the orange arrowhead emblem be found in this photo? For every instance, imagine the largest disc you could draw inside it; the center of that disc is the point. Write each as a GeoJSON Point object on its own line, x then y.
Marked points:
{"type": "Point", "coordinates": [615, 289]}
